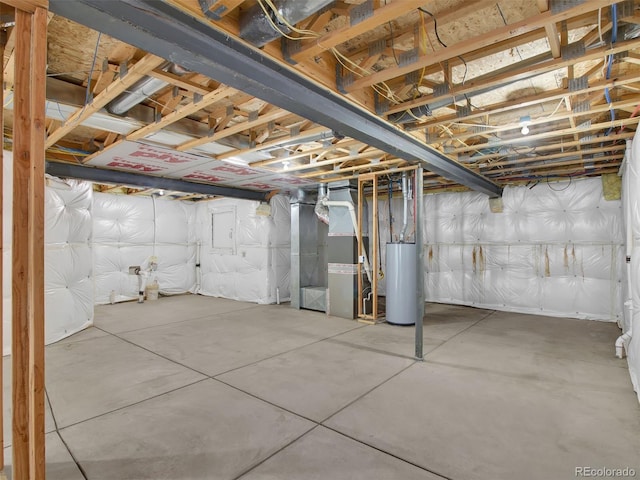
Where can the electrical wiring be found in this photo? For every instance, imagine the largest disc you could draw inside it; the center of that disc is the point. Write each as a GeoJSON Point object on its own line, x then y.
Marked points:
{"type": "Point", "coordinates": [614, 39]}
{"type": "Point", "coordinates": [393, 47]}
{"type": "Point", "coordinates": [386, 92]}
{"type": "Point", "coordinates": [93, 66]}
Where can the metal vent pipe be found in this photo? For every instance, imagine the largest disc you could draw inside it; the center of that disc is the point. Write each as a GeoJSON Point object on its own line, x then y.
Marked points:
{"type": "Point", "coordinates": [258, 29]}
{"type": "Point", "coordinates": [141, 90]}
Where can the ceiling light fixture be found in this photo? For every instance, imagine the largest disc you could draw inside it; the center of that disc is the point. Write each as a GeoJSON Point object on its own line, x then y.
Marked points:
{"type": "Point", "coordinates": [525, 121]}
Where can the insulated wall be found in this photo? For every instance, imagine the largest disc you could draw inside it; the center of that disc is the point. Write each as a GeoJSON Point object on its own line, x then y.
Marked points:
{"type": "Point", "coordinates": [68, 257]}
{"type": "Point", "coordinates": [244, 255]}
{"type": "Point", "coordinates": [556, 249]}
{"type": "Point", "coordinates": [631, 198]}
{"type": "Point", "coordinates": [129, 231]}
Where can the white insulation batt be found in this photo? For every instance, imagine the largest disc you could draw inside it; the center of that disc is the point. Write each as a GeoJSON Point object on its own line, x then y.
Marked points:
{"type": "Point", "coordinates": [631, 200]}
{"type": "Point", "coordinates": [556, 249]}
{"type": "Point", "coordinates": [68, 257]}
{"type": "Point", "coordinates": [245, 255]}
{"type": "Point", "coordinates": [129, 231]}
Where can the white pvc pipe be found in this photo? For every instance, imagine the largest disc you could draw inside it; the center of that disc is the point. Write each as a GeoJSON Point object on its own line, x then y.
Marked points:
{"type": "Point", "coordinates": [354, 220]}
{"type": "Point", "coordinates": [198, 268]}
{"type": "Point", "coordinates": [623, 339]}
{"type": "Point", "coordinates": [620, 344]}
{"type": "Point", "coordinates": [405, 212]}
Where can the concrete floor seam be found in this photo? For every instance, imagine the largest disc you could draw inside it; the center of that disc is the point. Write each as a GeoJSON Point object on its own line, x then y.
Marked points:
{"type": "Point", "coordinates": [433, 472]}
{"type": "Point", "coordinates": [321, 424]}
{"type": "Point", "coordinates": [156, 353]}
{"type": "Point", "coordinates": [527, 378]}
{"type": "Point", "coordinates": [369, 391]}
{"type": "Point", "coordinates": [265, 401]}
{"type": "Point", "coordinates": [136, 403]}
{"type": "Point", "coordinates": [315, 342]}
{"type": "Point", "coordinates": [57, 430]}
{"type": "Point", "coordinates": [176, 322]}
{"type": "Point", "coordinates": [253, 467]}
{"type": "Point", "coordinates": [459, 333]}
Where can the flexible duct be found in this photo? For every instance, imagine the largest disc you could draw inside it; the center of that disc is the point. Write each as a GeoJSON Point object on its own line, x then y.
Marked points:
{"type": "Point", "coordinates": [141, 90]}
{"type": "Point", "coordinates": [258, 29]}
{"type": "Point", "coordinates": [321, 210]}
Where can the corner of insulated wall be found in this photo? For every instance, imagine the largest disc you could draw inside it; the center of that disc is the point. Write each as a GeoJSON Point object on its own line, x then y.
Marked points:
{"type": "Point", "coordinates": [244, 256]}
{"type": "Point", "coordinates": [556, 249]}
{"type": "Point", "coordinates": [631, 196]}
{"type": "Point", "coordinates": [68, 256]}
{"type": "Point", "coordinates": [128, 231]}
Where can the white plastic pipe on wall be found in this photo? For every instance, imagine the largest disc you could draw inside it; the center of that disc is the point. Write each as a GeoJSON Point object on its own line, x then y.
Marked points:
{"type": "Point", "coordinates": [354, 220]}
{"type": "Point", "coordinates": [198, 268]}
{"type": "Point", "coordinates": [623, 340]}
{"type": "Point", "coordinates": [405, 207]}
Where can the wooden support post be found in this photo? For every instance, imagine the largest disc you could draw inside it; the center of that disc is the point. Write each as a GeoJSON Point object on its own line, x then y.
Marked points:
{"type": "Point", "coordinates": [3, 41]}
{"type": "Point", "coordinates": [28, 246]}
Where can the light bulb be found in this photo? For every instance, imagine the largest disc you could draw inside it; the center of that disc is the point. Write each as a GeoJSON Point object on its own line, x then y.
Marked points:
{"type": "Point", "coordinates": [525, 130]}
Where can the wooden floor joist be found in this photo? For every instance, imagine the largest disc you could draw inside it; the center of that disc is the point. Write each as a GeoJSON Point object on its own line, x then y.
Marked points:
{"type": "Point", "coordinates": [28, 247]}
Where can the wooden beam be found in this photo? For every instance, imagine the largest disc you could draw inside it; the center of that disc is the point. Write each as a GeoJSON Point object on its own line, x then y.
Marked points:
{"type": "Point", "coordinates": [273, 143]}
{"type": "Point", "coordinates": [29, 6]}
{"type": "Point", "coordinates": [36, 226]}
{"type": "Point", "coordinates": [531, 100]}
{"type": "Point", "coordinates": [547, 119]}
{"type": "Point", "coordinates": [209, 99]}
{"type": "Point", "coordinates": [479, 42]}
{"type": "Point", "coordinates": [340, 35]}
{"type": "Point", "coordinates": [480, 157]}
{"type": "Point", "coordinates": [3, 41]}
{"type": "Point", "coordinates": [366, 166]}
{"type": "Point", "coordinates": [179, 82]}
{"type": "Point", "coordinates": [349, 142]}
{"type": "Point", "coordinates": [237, 128]}
{"type": "Point", "coordinates": [135, 73]}
{"type": "Point", "coordinates": [621, 122]}
{"type": "Point", "coordinates": [220, 8]}
{"type": "Point", "coordinates": [554, 39]}
{"type": "Point", "coordinates": [332, 161]}
{"type": "Point", "coordinates": [28, 246]}
{"type": "Point", "coordinates": [519, 71]}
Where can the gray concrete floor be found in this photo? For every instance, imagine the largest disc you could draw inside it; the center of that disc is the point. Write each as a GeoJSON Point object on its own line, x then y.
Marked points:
{"type": "Point", "coordinates": [192, 387]}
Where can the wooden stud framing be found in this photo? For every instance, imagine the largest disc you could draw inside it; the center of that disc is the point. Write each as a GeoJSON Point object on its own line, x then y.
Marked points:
{"type": "Point", "coordinates": [497, 35]}
{"type": "Point", "coordinates": [139, 70]}
{"type": "Point", "coordinates": [239, 127]}
{"type": "Point", "coordinates": [28, 246]}
{"type": "Point", "coordinates": [3, 40]}
{"type": "Point", "coordinates": [29, 6]}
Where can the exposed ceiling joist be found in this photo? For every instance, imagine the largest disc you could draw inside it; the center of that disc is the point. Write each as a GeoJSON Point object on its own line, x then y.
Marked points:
{"type": "Point", "coordinates": [168, 32]}
{"type": "Point", "coordinates": [486, 40]}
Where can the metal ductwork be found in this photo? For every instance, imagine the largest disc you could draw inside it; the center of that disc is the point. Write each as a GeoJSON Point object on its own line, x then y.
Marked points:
{"type": "Point", "coordinates": [141, 90]}
{"type": "Point", "coordinates": [321, 210]}
{"type": "Point", "coordinates": [258, 29]}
